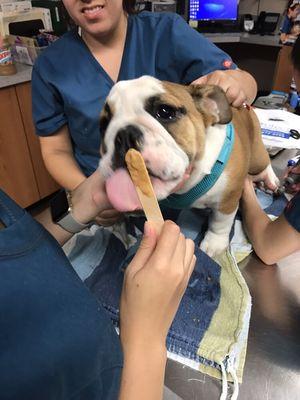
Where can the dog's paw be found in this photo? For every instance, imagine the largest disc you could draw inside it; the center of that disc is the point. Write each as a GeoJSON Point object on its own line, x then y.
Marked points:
{"type": "Point", "coordinates": [268, 177]}
{"type": "Point", "coordinates": [214, 244]}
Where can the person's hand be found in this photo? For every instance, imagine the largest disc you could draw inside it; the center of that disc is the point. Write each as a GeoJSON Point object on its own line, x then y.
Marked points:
{"type": "Point", "coordinates": [154, 284]}
{"type": "Point", "coordinates": [108, 217]}
{"type": "Point", "coordinates": [294, 188]}
{"type": "Point", "coordinates": [231, 86]}
{"type": "Point", "coordinates": [89, 199]}
{"type": "Point", "coordinates": [266, 180]}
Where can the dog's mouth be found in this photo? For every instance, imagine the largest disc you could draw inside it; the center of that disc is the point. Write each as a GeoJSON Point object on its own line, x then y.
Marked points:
{"type": "Point", "coordinates": [122, 193]}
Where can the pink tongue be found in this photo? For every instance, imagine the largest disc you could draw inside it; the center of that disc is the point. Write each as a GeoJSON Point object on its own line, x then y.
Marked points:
{"type": "Point", "coordinates": [121, 191]}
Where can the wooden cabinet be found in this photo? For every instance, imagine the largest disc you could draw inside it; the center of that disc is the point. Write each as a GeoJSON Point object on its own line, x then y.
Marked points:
{"type": "Point", "coordinates": [284, 70]}
{"type": "Point", "coordinates": [46, 185]}
{"type": "Point", "coordinates": [23, 175]}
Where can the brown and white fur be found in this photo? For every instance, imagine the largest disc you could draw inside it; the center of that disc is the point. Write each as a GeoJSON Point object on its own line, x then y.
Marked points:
{"type": "Point", "coordinates": [179, 130]}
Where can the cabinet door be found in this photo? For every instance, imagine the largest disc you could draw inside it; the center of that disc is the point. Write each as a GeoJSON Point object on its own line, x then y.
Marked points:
{"type": "Point", "coordinates": [46, 185]}
{"type": "Point", "coordinates": [284, 70]}
{"type": "Point", "coordinates": [16, 170]}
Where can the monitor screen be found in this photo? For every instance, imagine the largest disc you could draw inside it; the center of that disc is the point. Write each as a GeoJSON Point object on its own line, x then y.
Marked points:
{"type": "Point", "coordinates": [213, 10]}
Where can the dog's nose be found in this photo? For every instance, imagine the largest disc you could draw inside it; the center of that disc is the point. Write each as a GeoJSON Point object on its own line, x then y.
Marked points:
{"type": "Point", "coordinates": [129, 137]}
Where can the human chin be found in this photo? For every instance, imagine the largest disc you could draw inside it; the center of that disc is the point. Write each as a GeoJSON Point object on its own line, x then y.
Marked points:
{"type": "Point", "coordinates": [99, 30]}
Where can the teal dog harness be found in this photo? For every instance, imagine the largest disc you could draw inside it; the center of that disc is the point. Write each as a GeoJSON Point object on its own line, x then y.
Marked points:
{"type": "Point", "coordinates": [185, 200]}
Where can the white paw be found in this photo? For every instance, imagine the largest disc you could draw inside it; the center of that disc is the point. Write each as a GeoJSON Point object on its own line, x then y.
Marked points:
{"type": "Point", "coordinates": [268, 177]}
{"type": "Point", "coordinates": [214, 244]}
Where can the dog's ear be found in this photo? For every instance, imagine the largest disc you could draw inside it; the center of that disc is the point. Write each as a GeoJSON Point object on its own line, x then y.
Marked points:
{"type": "Point", "coordinates": [211, 101]}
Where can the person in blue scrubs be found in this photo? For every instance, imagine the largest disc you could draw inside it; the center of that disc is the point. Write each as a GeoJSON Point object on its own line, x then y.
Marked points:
{"type": "Point", "coordinates": [72, 78]}
{"type": "Point", "coordinates": [286, 31]}
{"type": "Point", "coordinates": [273, 240]}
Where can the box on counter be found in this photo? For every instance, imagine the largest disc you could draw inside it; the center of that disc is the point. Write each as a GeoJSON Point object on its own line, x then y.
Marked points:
{"type": "Point", "coordinates": [25, 50]}
{"type": "Point", "coordinates": [59, 16]}
{"type": "Point", "coordinates": [15, 6]}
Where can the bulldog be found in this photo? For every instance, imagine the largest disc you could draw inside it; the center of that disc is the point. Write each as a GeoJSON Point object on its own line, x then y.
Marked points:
{"type": "Point", "coordinates": [197, 149]}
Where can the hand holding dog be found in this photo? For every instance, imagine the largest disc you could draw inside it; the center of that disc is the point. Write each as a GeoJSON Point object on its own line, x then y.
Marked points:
{"type": "Point", "coordinates": [238, 85]}
{"type": "Point", "coordinates": [293, 188]}
{"type": "Point", "coordinates": [108, 217]}
{"type": "Point", "coordinates": [90, 201]}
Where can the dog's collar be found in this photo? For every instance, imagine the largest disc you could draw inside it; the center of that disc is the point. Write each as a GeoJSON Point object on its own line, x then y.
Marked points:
{"type": "Point", "coordinates": [185, 200]}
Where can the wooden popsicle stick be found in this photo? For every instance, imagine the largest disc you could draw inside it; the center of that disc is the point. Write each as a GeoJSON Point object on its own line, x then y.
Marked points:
{"type": "Point", "coordinates": [141, 180]}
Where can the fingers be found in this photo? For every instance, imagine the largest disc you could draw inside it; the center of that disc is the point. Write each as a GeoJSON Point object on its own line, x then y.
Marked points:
{"type": "Point", "coordinates": [106, 222]}
{"type": "Point", "coordinates": [110, 214]}
{"type": "Point", "coordinates": [179, 253]}
{"type": "Point", "coordinates": [108, 217]}
{"type": "Point", "coordinates": [191, 267]}
{"type": "Point", "coordinates": [200, 81]}
{"type": "Point", "coordinates": [168, 251]}
{"type": "Point", "coordinates": [99, 196]}
{"type": "Point", "coordinates": [234, 93]}
{"type": "Point", "coordinates": [168, 240]}
{"type": "Point", "coordinates": [270, 184]}
{"type": "Point", "coordinates": [238, 99]}
{"type": "Point", "coordinates": [189, 252]}
{"type": "Point", "coordinates": [182, 255]}
{"type": "Point", "coordinates": [145, 250]}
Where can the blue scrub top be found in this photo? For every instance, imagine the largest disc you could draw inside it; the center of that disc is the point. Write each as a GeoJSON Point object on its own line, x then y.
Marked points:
{"type": "Point", "coordinates": [287, 25]}
{"type": "Point", "coordinates": [69, 86]}
{"type": "Point", "coordinates": [292, 212]}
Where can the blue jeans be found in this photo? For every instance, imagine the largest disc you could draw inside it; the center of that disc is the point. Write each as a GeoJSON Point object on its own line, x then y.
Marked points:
{"type": "Point", "coordinates": [56, 342]}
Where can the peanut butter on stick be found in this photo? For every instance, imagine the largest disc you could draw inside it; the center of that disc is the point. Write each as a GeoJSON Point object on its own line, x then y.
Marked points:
{"type": "Point", "coordinates": [141, 180]}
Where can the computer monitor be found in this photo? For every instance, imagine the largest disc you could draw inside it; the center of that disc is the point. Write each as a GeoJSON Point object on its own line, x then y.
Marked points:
{"type": "Point", "coordinates": [214, 13]}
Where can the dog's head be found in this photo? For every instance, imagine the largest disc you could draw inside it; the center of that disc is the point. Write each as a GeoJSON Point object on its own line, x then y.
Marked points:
{"type": "Point", "coordinates": [166, 122]}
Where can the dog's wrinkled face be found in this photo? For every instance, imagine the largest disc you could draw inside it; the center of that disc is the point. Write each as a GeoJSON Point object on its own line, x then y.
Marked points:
{"type": "Point", "coordinates": [166, 122]}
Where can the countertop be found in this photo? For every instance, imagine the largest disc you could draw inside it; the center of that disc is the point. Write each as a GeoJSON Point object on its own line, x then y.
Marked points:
{"type": "Point", "coordinates": [243, 37]}
{"type": "Point", "coordinates": [23, 75]}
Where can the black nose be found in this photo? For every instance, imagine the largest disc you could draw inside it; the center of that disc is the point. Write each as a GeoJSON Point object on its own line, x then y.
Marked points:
{"type": "Point", "coordinates": [129, 137]}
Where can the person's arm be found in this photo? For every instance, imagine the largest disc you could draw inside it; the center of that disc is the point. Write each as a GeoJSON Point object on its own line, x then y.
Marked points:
{"type": "Point", "coordinates": [51, 125]}
{"type": "Point", "coordinates": [271, 240]}
{"type": "Point", "coordinates": [285, 29]}
{"type": "Point", "coordinates": [283, 37]}
{"type": "Point", "coordinates": [197, 60]}
{"type": "Point", "coordinates": [240, 87]}
{"type": "Point", "coordinates": [154, 284]}
{"type": "Point", "coordinates": [88, 200]}
{"type": "Point", "coordinates": [59, 159]}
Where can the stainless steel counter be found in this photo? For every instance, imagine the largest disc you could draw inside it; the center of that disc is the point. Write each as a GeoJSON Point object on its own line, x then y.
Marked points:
{"type": "Point", "coordinates": [272, 369]}
{"type": "Point", "coordinates": [23, 75]}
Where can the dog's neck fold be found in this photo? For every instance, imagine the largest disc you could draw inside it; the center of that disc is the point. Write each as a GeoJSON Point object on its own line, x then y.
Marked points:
{"type": "Point", "coordinates": [215, 138]}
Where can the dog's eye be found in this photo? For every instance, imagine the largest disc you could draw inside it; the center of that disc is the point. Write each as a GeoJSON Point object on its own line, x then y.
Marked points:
{"type": "Point", "coordinates": [166, 112]}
